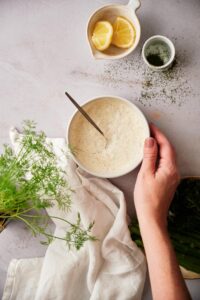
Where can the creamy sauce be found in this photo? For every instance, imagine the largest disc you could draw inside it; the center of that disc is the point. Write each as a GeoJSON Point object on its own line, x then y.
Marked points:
{"type": "Point", "coordinates": [125, 130]}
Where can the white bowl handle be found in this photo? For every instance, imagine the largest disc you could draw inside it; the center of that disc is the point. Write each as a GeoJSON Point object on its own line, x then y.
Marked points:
{"type": "Point", "coordinates": [134, 4]}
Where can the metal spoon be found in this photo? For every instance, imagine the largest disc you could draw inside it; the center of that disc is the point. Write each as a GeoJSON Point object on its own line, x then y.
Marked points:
{"type": "Point", "coordinates": [83, 112]}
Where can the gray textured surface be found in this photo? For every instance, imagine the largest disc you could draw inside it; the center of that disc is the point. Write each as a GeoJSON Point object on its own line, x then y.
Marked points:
{"type": "Point", "coordinates": [43, 51]}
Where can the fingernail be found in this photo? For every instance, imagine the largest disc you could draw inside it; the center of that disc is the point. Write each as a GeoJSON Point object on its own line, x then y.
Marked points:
{"type": "Point", "coordinates": [149, 142]}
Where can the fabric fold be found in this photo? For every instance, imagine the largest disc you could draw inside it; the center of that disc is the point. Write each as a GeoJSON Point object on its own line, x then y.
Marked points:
{"type": "Point", "coordinates": [110, 268]}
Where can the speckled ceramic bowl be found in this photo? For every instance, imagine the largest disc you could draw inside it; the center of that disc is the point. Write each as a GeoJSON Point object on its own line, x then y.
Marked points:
{"type": "Point", "coordinates": [152, 41]}
{"type": "Point", "coordinates": [131, 165]}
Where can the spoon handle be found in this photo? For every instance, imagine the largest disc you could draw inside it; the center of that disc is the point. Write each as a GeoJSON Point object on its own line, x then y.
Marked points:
{"type": "Point", "coordinates": [82, 111]}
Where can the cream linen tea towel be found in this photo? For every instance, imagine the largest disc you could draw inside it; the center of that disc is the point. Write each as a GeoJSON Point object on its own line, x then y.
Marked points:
{"type": "Point", "coordinates": [112, 268]}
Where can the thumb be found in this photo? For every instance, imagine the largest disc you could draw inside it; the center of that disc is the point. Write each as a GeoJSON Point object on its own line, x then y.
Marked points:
{"type": "Point", "coordinates": [150, 155]}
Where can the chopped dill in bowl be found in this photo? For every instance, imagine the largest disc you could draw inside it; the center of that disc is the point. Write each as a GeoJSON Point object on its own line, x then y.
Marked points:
{"type": "Point", "coordinates": [158, 53]}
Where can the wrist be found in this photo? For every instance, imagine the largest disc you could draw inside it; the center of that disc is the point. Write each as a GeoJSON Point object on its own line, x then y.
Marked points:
{"type": "Point", "coordinates": [150, 224]}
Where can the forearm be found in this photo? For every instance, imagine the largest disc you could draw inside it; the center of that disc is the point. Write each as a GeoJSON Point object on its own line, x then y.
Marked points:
{"type": "Point", "coordinates": [165, 276]}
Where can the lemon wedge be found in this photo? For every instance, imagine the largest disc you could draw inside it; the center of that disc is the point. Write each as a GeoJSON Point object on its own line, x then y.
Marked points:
{"type": "Point", "coordinates": [102, 35]}
{"type": "Point", "coordinates": [123, 33]}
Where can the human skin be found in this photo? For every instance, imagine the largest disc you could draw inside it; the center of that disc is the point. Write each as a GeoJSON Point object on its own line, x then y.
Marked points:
{"type": "Point", "coordinates": [155, 186]}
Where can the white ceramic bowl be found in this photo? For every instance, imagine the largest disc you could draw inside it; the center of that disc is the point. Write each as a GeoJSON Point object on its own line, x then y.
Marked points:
{"type": "Point", "coordinates": [152, 40]}
{"type": "Point", "coordinates": [109, 13]}
{"type": "Point", "coordinates": [131, 166]}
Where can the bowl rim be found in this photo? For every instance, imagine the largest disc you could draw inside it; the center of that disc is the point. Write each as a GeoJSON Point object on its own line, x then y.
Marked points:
{"type": "Point", "coordinates": [128, 50]}
{"type": "Point", "coordinates": [168, 42]}
{"type": "Point", "coordinates": [190, 177]}
{"type": "Point", "coordinates": [133, 167]}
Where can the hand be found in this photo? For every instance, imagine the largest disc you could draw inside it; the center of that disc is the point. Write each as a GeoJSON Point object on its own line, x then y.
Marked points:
{"type": "Point", "coordinates": [157, 180]}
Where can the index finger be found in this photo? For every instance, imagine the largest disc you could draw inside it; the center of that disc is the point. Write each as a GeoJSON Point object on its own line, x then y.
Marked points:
{"type": "Point", "coordinates": [166, 150]}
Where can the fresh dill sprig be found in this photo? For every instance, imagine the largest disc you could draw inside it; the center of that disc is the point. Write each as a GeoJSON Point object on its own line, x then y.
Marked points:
{"type": "Point", "coordinates": [31, 181]}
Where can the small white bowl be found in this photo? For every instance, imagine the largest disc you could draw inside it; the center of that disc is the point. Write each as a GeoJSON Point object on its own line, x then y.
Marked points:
{"type": "Point", "coordinates": [115, 174]}
{"type": "Point", "coordinates": [152, 41]}
{"type": "Point", "coordinates": [109, 13]}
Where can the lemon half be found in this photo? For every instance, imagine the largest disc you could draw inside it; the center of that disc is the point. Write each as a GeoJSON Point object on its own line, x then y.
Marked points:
{"type": "Point", "coordinates": [123, 33]}
{"type": "Point", "coordinates": [102, 35]}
